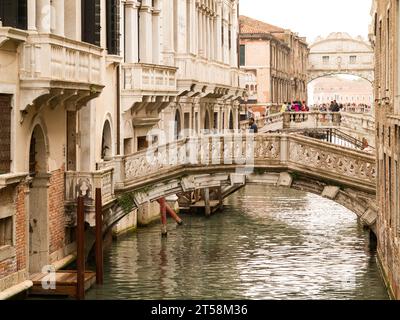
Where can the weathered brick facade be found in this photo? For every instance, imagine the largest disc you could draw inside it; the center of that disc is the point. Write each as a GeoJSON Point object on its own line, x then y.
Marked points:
{"type": "Point", "coordinates": [384, 36]}
{"type": "Point", "coordinates": [56, 210]}
{"type": "Point", "coordinates": [21, 227]}
{"type": "Point", "coordinates": [18, 261]}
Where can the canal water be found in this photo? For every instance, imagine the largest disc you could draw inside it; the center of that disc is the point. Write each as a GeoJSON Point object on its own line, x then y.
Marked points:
{"type": "Point", "coordinates": [268, 243]}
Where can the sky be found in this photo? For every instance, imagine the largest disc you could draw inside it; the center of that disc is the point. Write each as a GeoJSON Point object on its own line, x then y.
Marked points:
{"type": "Point", "coordinates": [311, 18]}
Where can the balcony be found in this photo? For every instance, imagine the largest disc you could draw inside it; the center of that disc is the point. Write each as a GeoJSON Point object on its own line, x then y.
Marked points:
{"type": "Point", "coordinates": [147, 81]}
{"type": "Point", "coordinates": [209, 74]}
{"type": "Point", "coordinates": [55, 69]}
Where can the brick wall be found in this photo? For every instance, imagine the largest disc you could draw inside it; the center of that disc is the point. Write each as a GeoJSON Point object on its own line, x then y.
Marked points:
{"type": "Point", "coordinates": [21, 227]}
{"type": "Point", "coordinates": [7, 267]}
{"type": "Point", "coordinates": [56, 210]}
{"type": "Point", "coordinates": [17, 263]}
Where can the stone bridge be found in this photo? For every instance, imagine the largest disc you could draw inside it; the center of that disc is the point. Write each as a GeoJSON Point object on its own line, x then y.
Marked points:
{"type": "Point", "coordinates": [340, 174]}
{"type": "Point", "coordinates": [339, 53]}
{"type": "Point", "coordinates": [357, 125]}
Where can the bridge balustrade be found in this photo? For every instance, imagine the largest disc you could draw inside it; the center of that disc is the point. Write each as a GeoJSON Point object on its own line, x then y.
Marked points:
{"type": "Point", "coordinates": [231, 152]}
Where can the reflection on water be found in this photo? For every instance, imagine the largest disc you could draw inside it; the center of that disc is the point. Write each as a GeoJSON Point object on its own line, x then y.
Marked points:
{"type": "Point", "coordinates": [269, 243]}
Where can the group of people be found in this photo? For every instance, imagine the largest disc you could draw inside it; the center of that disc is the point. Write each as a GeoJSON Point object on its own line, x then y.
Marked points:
{"type": "Point", "coordinates": [295, 106]}
{"type": "Point", "coordinates": [335, 107]}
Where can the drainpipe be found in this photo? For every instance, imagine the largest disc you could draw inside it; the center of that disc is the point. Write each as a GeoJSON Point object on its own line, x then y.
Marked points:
{"type": "Point", "coordinates": [118, 109]}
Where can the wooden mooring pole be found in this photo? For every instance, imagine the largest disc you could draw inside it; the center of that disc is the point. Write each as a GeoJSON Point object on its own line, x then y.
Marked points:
{"type": "Point", "coordinates": [163, 212]}
{"type": "Point", "coordinates": [207, 202]}
{"type": "Point", "coordinates": [99, 238]}
{"type": "Point", "coordinates": [80, 248]}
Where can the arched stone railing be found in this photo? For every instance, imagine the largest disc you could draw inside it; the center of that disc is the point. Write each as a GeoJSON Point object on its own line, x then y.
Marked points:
{"type": "Point", "coordinates": [338, 173]}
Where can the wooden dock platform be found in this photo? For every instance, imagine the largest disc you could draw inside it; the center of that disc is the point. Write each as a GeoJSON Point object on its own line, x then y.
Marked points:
{"type": "Point", "coordinates": [65, 283]}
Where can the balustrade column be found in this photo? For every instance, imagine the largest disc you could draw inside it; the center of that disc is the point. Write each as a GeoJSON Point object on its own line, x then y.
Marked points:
{"type": "Point", "coordinates": [156, 34]}
{"type": "Point", "coordinates": [205, 35]}
{"type": "Point", "coordinates": [284, 148]}
{"type": "Point", "coordinates": [131, 32]}
{"type": "Point", "coordinates": [200, 32]}
{"type": "Point", "coordinates": [32, 15]}
{"type": "Point", "coordinates": [43, 16]}
{"type": "Point", "coordinates": [219, 32]}
{"type": "Point", "coordinates": [146, 32]}
{"type": "Point", "coordinates": [212, 36]}
{"type": "Point", "coordinates": [59, 17]}
{"type": "Point", "coordinates": [208, 36]}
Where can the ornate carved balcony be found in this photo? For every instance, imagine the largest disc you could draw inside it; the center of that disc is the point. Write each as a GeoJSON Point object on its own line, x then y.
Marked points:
{"type": "Point", "coordinates": [209, 77]}
{"type": "Point", "coordinates": [147, 83]}
{"type": "Point", "coordinates": [55, 69]}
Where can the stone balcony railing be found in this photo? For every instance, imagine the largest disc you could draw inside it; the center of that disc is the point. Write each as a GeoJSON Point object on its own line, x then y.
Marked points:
{"type": "Point", "coordinates": [149, 78]}
{"type": "Point", "coordinates": [358, 122]}
{"type": "Point", "coordinates": [85, 183]}
{"type": "Point", "coordinates": [52, 58]}
{"type": "Point", "coordinates": [208, 72]}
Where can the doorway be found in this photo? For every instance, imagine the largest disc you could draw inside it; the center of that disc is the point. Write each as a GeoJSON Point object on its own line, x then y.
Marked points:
{"type": "Point", "coordinates": [38, 203]}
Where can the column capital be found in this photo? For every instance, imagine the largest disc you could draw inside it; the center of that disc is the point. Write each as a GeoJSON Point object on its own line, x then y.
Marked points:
{"type": "Point", "coordinates": [130, 3]}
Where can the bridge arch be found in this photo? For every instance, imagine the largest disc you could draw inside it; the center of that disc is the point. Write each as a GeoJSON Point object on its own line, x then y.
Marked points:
{"type": "Point", "coordinates": [339, 53]}
{"type": "Point", "coordinates": [359, 202]}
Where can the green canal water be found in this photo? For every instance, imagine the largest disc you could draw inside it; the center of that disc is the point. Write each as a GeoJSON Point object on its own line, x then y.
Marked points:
{"type": "Point", "coordinates": [268, 243]}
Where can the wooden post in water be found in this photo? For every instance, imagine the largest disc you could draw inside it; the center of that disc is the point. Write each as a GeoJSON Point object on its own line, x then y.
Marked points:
{"type": "Point", "coordinates": [207, 207]}
{"type": "Point", "coordinates": [80, 248]}
{"type": "Point", "coordinates": [99, 238]}
{"type": "Point", "coordinates": [163, 212]}
{"type": "Point", "coordinates": [220, 199]}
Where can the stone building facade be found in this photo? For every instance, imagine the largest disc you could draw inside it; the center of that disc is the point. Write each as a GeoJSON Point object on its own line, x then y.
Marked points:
{"type": "Point", "coordinates": [75, 92]}
{"type": "Point", "coordinates": [384, 36]}
{"type": "Point", "coordinates": [344, 90]}
{"type": "Point", "coordinates": [275, 62]}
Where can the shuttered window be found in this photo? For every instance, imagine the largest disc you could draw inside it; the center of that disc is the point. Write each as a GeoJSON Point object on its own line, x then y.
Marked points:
{"type": "Point", "coordinates": [242, 55]}
{"type": "Point", "coordinates": [13, 13]}
{"type": "Point", "coordinates": [113, 26]}
{"type": "Point", "coordinates": [91, 27]}
{"type": "Point", "coordinates": [5, 133]}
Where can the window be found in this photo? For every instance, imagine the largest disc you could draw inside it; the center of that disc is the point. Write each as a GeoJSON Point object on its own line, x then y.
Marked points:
{"type": "Point", "coordinates": [325, 59]}
{"type": "Point", "coordinates": [113, 27]}
{"type": "Point", "coordinates": [242, 61]}
{"type": "Point", "coordinates": [6, 231]}
{"type": "Point", "coordinates": [13, 13]}
{"type": "Point", "coordinates": [353, 59]}
{"type": "Point", "coordinates": [91, 22]}
{"type": "Point", "coordinates": [5, 133]}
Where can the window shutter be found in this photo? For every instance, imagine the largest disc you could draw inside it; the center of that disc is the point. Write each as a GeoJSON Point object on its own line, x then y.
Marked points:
{"type": "Point", "coordinates": [97, 22]}
{"type": "Point", "coordinates": [22, 15]}
{"type": "Point", "coordinates": [91, 27]}
{"type": "Point", "coordinates": [5, 133]}
{"type": "Point", "coordinates": [113, 26]}
{"type": "Point", "coordinates": [9, 13]}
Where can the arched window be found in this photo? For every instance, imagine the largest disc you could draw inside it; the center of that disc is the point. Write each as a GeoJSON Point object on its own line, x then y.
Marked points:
{"type": "Point", "coordinates": [106, 144]}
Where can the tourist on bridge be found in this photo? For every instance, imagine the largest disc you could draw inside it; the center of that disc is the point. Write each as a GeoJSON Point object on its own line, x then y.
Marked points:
{"type": "Point", "coordinates": [253, 126]}
{"type": "Point", "coordinates": [284, 107]}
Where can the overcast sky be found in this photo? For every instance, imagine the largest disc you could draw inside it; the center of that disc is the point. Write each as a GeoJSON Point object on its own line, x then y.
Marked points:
{"type": "Point", "coordinates": [312, 18]}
